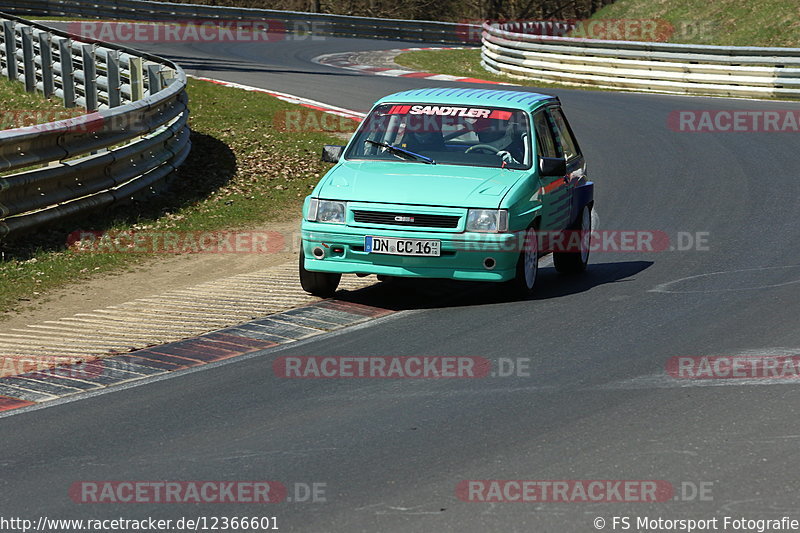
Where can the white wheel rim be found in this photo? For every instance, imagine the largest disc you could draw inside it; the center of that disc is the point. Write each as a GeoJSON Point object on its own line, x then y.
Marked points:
{"type": "Point", "coordinates": [531, 258]}
{"type": "Point", "coordinates": [586, 233]}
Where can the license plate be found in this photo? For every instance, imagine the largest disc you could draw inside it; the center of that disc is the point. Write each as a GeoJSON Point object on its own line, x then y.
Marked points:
{"type": "Point", "coordinates": [394, 246]}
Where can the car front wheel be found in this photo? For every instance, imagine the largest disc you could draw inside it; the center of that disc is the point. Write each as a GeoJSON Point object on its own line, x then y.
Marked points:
{"type": "Point", "coordinates": [322, 284]}
{"type": "Point", "coordinates": [524, 283]}
{"type": "Point", "coordinates": [576, 262]}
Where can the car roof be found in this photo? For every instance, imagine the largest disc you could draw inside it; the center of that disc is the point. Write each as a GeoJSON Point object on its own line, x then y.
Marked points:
{"type": "Point", "coordinates": [526, 101]}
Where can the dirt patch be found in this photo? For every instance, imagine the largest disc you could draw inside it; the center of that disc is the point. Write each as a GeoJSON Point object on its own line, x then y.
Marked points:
{"type": "Point", "coordinates": [151, 278]}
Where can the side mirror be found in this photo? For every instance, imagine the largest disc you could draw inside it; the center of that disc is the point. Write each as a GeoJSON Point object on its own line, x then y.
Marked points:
{"type": "Point", "coordinates": [332, 153]}
{"type": "Point", "coordinates": [552, 166]}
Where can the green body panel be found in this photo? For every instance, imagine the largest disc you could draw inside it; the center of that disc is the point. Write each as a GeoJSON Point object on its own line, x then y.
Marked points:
{"type": "Point", "coordinates": [411, 187]}
{"type": "Point", "coordinates": [411, 183]}
{"type": "Point", "coordinates": [462, 254]}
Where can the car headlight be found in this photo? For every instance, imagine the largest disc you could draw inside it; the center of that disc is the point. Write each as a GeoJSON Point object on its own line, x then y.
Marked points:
{"type": "Point", "coordinates": [328, 211]}
{"type": "Point", "coordinates": [487, 220]}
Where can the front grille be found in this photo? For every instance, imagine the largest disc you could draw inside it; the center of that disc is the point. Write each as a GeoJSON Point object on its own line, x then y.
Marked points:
{"type": "Point", "coordinates": [406, 219]}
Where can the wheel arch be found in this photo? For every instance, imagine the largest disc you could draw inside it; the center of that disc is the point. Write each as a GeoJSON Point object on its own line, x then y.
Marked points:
{"type": "Point", "coordinates": [583, 195]}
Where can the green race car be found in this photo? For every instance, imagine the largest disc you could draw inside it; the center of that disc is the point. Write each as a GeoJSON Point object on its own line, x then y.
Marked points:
{"type": "Point", "coordinates": [450, 183]}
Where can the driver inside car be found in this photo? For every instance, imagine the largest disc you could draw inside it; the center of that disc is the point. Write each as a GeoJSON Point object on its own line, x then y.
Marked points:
{"type": "Point", "coordinates": [424, 142]}
{"type": "Point", "coordinates": [423, 134]}
{"type": "Point", "coordinates": [502, 135]}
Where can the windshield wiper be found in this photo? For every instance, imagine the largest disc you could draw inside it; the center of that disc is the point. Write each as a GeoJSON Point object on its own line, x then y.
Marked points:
{"type": "Point", "coordinates": [400, 152]}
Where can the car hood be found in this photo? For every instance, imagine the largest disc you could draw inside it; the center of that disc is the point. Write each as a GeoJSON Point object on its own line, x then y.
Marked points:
{"type": "Point", "coordinates": [418, 184]}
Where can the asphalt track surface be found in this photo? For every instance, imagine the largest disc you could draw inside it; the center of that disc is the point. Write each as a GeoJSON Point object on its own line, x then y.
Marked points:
{"type": "Point", "coordinates": [597, 404]}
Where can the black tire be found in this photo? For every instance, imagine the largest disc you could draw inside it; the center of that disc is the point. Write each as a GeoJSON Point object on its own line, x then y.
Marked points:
{"type": "Point", "coordinates": [576, 262]}
{"type": "Point", "coordinates": [322, 284]}
{"type": "Point", "coordinates": [524, 283]}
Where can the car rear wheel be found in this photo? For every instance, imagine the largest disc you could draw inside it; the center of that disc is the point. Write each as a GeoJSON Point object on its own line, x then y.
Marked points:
{"type": "Point", "coordinates": [322, 284]}
{"type": "Point", "coordinates": [576, 262]}
{"type": "Point", "coordinates": [524, 283]}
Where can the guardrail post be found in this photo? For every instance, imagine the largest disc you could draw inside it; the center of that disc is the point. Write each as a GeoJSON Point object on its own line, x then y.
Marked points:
{"type": "Point", "coordinates": [28, 60]}
{"type": "Point", "coordinates": [137, 80]}
{"type": "Point", "coordinates": [167, 77]}
{"type": "Point", "coordinates": [154, 81]}
{"type": "Point", "coordinates": [89, 76]}
{"type": "Point", "coordinates": [46, 52]}
{"type": "Point", "coordinates": [67, 72]}
{"type": "Point", "coordinates": [9, 34]}
{"type": "Point", "coordinates": [114, 79]}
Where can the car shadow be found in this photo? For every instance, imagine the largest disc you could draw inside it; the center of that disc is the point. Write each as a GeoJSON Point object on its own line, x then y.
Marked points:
{"type": "Point", "coordinates": [402, 294]}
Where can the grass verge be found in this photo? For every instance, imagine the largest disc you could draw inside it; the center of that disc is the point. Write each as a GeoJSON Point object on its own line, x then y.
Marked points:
{"type": "Point", "coordinates": [465, 63]}
{"type": "Point", "coordinates": [242, 172]}
{"type": "Point", "coordinates": [721, 22]}
{"type": "Point", "coordinates": [19, 108]}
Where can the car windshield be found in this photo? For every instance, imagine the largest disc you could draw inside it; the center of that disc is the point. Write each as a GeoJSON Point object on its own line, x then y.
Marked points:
{"type": "Point", "coordinates": [455, 135]}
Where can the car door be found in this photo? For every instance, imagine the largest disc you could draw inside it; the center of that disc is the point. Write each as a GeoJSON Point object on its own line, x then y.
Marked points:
{"type": "Point", "coordinates": [576, 164]}
{"type": "Point", "coordinates": [554, 190]}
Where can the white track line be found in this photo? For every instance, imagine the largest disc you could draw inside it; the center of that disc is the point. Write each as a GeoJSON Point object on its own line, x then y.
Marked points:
{"type": "Point", "coordinates": [291, 98]}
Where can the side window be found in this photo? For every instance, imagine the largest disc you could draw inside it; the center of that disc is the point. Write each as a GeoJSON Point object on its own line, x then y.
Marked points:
{"type": "Point", "coordinates": [544, 136]}
{"type": "Point", "coordinates": [564, 134]}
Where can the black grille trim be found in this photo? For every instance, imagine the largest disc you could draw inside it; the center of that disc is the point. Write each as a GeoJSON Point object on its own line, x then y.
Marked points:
{"type": "Point", "coordinates": [420, 220]}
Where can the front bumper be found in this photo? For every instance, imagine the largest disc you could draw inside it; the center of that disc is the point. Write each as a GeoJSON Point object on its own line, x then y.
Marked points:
{"type": "Point", "coordinates": [463, 254]}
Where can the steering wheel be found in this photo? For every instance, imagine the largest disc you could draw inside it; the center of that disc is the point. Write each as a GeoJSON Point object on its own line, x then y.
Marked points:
{"type": "Point", "coordinates": [487, 147]}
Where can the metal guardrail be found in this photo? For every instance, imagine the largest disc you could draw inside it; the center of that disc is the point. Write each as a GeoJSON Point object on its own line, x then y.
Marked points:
{"type": "Point", "coordinates": [135, 134]}
{"type": "Point", "coordinates": [288, 21]}
{"type": "Point", "coordinates": [641, 66]}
